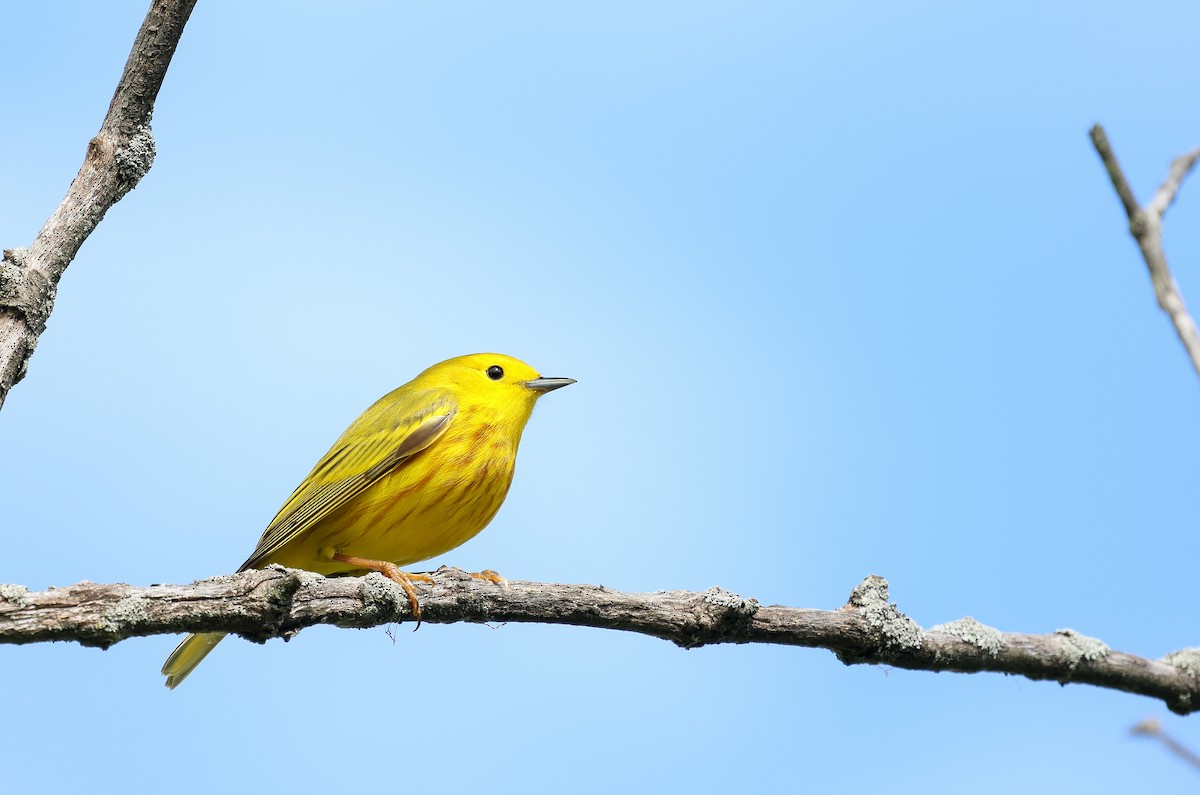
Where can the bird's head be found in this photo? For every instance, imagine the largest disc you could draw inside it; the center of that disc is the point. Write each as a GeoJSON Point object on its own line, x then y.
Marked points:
{"type": "Point", "coordinates": [494, 381]}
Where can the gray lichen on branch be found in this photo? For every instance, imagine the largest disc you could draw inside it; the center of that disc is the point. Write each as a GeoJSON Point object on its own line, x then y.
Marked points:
{"type": "Point", "coordinates": [117, 158]}
{"type": "Point", "coordinates": [986, 639]}
{"type": "Point", "coordinates": [278, 603]}
{"type": "Point", "coordinates": [133, 160]}
{"type": "Point", "coordinates": [894, 631]}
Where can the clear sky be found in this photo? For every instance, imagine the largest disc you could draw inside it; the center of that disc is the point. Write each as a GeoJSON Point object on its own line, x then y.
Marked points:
{"type": "Point", "coordinates": [846, 291]}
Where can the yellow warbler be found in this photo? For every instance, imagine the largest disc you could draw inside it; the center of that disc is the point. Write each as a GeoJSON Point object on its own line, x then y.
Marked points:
{"type": "Point", "coordinates": [418, 473]}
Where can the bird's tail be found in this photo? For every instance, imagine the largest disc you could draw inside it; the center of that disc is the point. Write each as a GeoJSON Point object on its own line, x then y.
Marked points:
{"type": "Point", "coordinates": [188, 655]}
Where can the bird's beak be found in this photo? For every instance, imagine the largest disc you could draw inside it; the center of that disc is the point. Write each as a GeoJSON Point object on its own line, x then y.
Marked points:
{"type": "Point", "coordinates": [547, 384]}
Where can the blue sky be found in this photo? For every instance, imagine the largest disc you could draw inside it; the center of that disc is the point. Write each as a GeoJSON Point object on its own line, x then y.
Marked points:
{"type": "Point", "coordinates": [846, 292]}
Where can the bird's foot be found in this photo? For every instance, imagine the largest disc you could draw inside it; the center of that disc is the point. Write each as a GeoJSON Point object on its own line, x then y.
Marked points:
{"type": "Point", "coordinates": [487, 575]}
{"type": "Point", "coordinates": [402, 578]}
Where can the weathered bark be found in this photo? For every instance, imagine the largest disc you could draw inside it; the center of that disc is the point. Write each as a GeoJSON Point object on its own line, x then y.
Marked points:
{"type": "Point", "coordinates": [278, 602]}
{"type": "Point", "coordinates": [117, 158]}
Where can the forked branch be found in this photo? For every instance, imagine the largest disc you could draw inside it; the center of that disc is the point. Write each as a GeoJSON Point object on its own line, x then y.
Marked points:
{"type": "Point", "coordinates": [1145, 224]}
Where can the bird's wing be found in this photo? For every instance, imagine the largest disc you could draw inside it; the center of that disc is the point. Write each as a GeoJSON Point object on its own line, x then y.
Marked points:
{"type": "Point", "coordinates": [374, 445]}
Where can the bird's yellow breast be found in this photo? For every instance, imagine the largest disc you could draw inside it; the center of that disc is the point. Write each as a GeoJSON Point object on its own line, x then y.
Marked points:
{"type": "Point", "coordinates": [432, 503]}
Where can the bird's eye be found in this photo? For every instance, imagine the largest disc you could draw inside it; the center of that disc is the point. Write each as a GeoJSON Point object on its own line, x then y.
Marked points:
{"type": "Point", "coordinates": [495, 372]}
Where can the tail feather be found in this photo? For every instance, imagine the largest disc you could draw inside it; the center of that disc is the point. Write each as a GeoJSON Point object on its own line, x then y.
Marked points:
{"type": "Point", "coordinates": [187, 655]}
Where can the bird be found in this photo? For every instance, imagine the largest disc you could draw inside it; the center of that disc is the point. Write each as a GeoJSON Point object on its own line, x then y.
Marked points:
{"type": "Point", "coordinates": [420, 472]}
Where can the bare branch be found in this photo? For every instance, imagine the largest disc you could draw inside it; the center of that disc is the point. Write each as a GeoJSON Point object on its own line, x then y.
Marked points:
{"type": "Point", "coordinates": [1145, 224]}
{"type": "Point", "coordinates": [1164, 197]}
{"type": "Point", "coordinates": [1152, 728]}
{"type": "Point", "coordinates": [117, 158]}
{"type": "Point", "coordinates": [278, 602]}
{"type": "Point", "coordinates": [1109, 158]}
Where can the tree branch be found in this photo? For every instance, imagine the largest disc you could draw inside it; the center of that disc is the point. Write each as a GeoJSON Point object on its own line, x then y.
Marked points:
{"type": "Point", "coordinates": [1145, 224]}
{"type": "Point", "coordinates": [277, 602]}
{"type": "Point", "coordinates": [116, 159]}
{"type": "Point", "coordinates": [1153, 729]}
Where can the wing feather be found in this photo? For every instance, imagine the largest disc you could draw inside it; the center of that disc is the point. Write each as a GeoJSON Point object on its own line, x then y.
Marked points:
{"type": "Point", "coordinates": [383, 438]}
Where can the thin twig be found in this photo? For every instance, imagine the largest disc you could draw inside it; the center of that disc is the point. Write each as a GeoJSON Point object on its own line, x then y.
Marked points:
{"type": "Point", "coordinates": [278, 602]}
{"type": "Point", "coordinates": [1109, 158]}
{"type": "Point", "coordinates": [1152, 728]}
{"type": "Point", "coordinates": [1164, 197]}
{"type": "Point", "coordinates": [117, 158]}
{"type": "Point", "coordinates": [1145, 224]}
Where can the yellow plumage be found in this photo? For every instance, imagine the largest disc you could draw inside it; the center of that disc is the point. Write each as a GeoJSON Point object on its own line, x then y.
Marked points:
{"type": "Point", "coordinates": [417, 474]}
